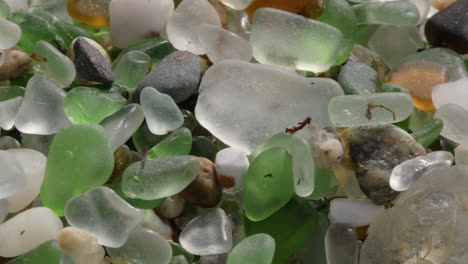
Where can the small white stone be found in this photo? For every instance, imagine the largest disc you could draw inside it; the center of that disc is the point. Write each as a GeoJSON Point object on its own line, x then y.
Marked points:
{"type": "Point", "coordinates": [10, 34]}
{"type": "Point", "coordinates": [232, 162]}
{"type": "Point", "coordinates": [28, 230]}
{"type": "Point", "coordinates": [353, 212]}
{"type": "Point", "coordinates": [181, 27]}
{"type": "Point", "coordinates": [80, 246]}
{"type": "Point", "coordinates": [172, 207]}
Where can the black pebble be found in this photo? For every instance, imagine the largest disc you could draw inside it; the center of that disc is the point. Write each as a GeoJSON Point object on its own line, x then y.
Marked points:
{"type": "Point", "coordinates": [90, 64]}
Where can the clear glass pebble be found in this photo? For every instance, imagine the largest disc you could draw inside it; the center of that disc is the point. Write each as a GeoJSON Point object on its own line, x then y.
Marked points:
{"type": "Point", "coordinates": [341, 244]}
{"type": "Point", "coordinates": [232, 163]}
{"type": "Point", "coordinates": [13, 178]}
{"type": "Point", "coordinates": [353, 212]}
{"type": "Point", "coordinates": [401, 13]}
{"type": "Point", "coordinates": [455, 120]}
{"type": "Point", "coordinates": [237, 4]}
{"type": "Point", "coordinates": [8, 111]}
{"type": "Point", "coordinates": [10, 34]}
{"type": "Point", "coordinates": [451, 93]}
{"type": "Point", "coordinates": [302, 149]}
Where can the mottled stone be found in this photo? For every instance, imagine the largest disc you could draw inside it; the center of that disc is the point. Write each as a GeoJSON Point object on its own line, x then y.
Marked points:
{"type": "Point", "coordinates": [90, 64]}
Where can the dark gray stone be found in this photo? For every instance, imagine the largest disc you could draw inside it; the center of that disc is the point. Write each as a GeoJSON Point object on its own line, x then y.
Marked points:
{"type": "Point", "coordinates": [177, 75]}
{"type": "Point", "coordinates": [90, 64]}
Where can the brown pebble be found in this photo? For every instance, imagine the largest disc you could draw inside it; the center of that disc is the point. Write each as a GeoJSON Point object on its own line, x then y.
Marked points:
{"type": "Point", "coordinates": [16, 62]}
{"type": "Point", "coordinates": [204, 190]}
{"type": "Point", "coordinates": [226, 181]}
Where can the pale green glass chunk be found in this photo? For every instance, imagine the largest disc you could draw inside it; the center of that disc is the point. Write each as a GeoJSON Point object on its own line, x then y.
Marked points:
{"type": "Point", "coordinates": [258, 249]}
{"type": "Point", "coordinates": [131, 69]}
{"type": "Point", "coordinates": [401, 13]}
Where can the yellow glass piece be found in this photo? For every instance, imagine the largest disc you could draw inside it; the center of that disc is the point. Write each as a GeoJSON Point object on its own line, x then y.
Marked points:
{"type": "Point", "coordinates": [419, 77]}
{"type": "Point", "coordinates": [91, 12]}
{"type": "Point", "coordinates": [307, 7]}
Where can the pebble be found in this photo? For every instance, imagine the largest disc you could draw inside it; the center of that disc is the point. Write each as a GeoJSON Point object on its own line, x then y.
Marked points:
{"type": "Point", "coordinates": [177, 143]}
{"type": "Point", "coordinates": [181, 26]}
{"type": "Point", "coordinates": [258, 248]}
{"type": "Point", "coordinates": [328, 148]}
{"type": "Point", "coordinates": [89, 105]}
{"type": "Point", "coordinates": [303, 164]}
{"type": "Point", "coordinates": [149, 18]}
{"type": "Point", "coordinates": [8, 111]}
{"type": "Point", "coordinates": [121, 125]}
{"type": "Point", "coordinates": [53, 64]}
{"type": "Point", "coordinates": [177, 75]}
{"type": "Point", "coordinates": [405, 174]}
{"type": "Point", "coordinates": [221, 44]}
{"type": "Point", "coordinates": [90, 64]}
{"type": "Point", "coordinates": [341, 244]}
{"type": "Point", "coordinates": [131, 69]}
{"type": "Point", "coordinates": [288, 29]}
{"type": "Point", "coordinates": [104, 215]}
{"type": "Point", "coordinates": [83, 154]}
{"type": "Point", "coordinates": [455, 120]}
{"type": "Point", "coordinates": [80, 246]}
{"type": "Point", "coordinates": [143, 246]}
{"type": "Point", "coordinates": [172, 207]}
{"type": "Point", "coordinates": [400, 13]}
{"type": "Point", "coordinates": [268, 184]}
{"type": "Point", "coordinates": [353, 212]}
{"type": "Point", "coordinates": [450, 93]}
{"type": "Point", "coordinates": [13, 63]}
{"type": "Point", "coordinates": [370, 109]}
{"type": "Point", "coordinates": [375, 151]}
{"type": "Point", "coordinates": [231, 167]}
{"type": "Point", "coordinates": [261, 92]}
{"type": "Point", "coordinates": [153, 222]}
{"type": "Point", "coordinates": [24, 235]}
{"type": "Point", "coordinates": [358, 78]}
{"type": "Point", "coordinates": [160, 178]}
{"type": "Point", "coordinates": [420, 78]}
{"type": "Point", "coordinates": [208, 234]}
{"type": "Point", "coordinates": [33, 164]}
{"type": "Point", "coordinates": [13, 178]}
{"type": "Point", "coordinates": [10, 34]}
{"type": "Point", "coordinates": [94, 13]}
{"type": "Point", "coordinates": [392, 52]}
{"type": "Point", "coordinates": [204, 190]}
{"type": "Point", "coordinates": [41, 112]}
{"type": "Point", "coordinates": [446, 28]}
{"type": "Point", "coordinates": [161, 112]}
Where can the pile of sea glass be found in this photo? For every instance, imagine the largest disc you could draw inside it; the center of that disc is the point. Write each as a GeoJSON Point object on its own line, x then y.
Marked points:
{"type": "Point", "coordinates": [233, 132]}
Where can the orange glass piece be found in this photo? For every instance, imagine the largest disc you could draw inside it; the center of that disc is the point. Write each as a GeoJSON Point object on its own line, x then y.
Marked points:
{"type": "Point", "coordinates": [310, 8]}
{"type": "Point", "coordinates": [91, 12]}
{"type": "Point", "coordinates": [441, 4]}
{"type": "Point", "coordinates": [419, 77]}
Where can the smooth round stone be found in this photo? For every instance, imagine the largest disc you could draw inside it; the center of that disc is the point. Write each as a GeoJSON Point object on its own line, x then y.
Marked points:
{"type": "Point", "coordinates": [408, 172]}
{"type": "Point", "coordinates": [13, 178]}
{"type": "Point", "coordinates": [8, 111]}
{"type": "Point", "coordinates": [41, 112]}
{"type": "Point", "coordinates": [10, 34]}
{"type": "Point", "coordinates": [232, 165]}
{"type": "Point", "coordinates": [46, 253]}
{"type": "Point", "coordinates": [370, 109]}
{"type": "Point", "coordinates": [177, 143]}
{"type": "Point", "coordinates": [90, 61]}
{"type": "Point", "coordinates": [91, 12]}
{"type": "Point", "coordinates": [268, 184]}
{"type": "Point", "coordinates": [172, 207]}
{"type": "Point", "coordinates": [80, 158]}
{"type": "Point", "coordinates": [303, 164]}
{"type": "Point", "coordinates": [358, 78]}
{"type": "Point", "coordinates": [341, 244]}
{"type": "Point", "coordinates": [131, 69]}
{"type": "Point", "coordinates": [160, 178]}
{"type": "Point", "coordinates": [236, 4]}
{"type": "Point", "coordinates": [121, 125]}
{"type": "Point", "coordinates": [161, 112]}
{"type": "Point", "coordinates": [54, 64]}
{"type": "Point", "coordinates": [353, 212]}
{"type": "Point", "coordinates": [143, 246]}
{"type": "Point", "coordinates": [80, 246]}
{"type": "Point", "coordinates": [446, 28]}
{"type": "Point", "coordinates": [328, 149]}
{"type": "Point", "coordinates": [177, 75]}
{"type": "Point", "coordinates": [455, 120]}
{"type": "Point", "coordinates": [221, 44]}
{"type": "Point", "coordinates": [258, 248]}
{"type": "Point", "coordinates": [420, 78]}
{"type": "Point", "coordinates": [104, 215]}
{"type": "Point", "coordinates": [316, 52]}
{"type": "Point", "coordinates": [148, 19]}
{"type": "Point", "coordinates": [27, 230]}
{"type": "Point", "coordinates": [401, 13]}
{"type": "Point", "coordinates": [225, 105]}
{"type": "Point", "coordinates": [451, 93]}
{"type": "Point", "coordinates": [88, 105]}
{"type": "Point", "coordinates": [383, 43]}
{"type": "Point", "coordinates": [33, 164]}
{"type": "Point", "coordinates": [208, 234]}
{"type": "Point", "coordinates": [3, 209]}
{"type": "Point", "coordinates": [375, 151]}
{"type": "Point", "coordinates": [181, 26]}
